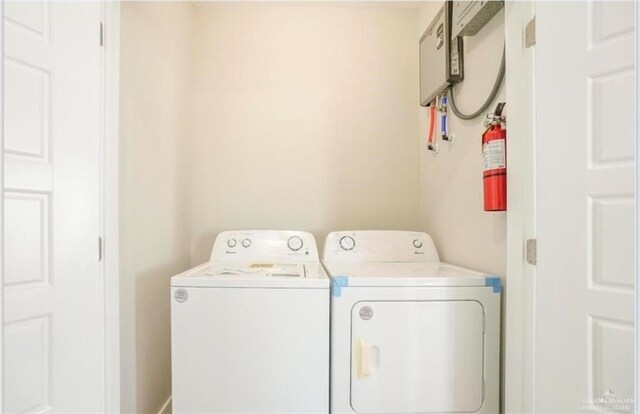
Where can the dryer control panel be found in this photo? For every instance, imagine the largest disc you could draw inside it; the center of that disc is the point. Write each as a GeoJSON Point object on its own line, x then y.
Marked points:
{"type": "Point", "coordinates": [265, 245]}
{"type": "Point", "coordinates": [380, 246]}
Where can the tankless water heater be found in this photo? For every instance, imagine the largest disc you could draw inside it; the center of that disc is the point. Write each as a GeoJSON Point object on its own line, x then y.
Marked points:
{"type": "Point", "coordinates": [468, 17]}
{"type": "Point", "coordinates": [440, 57]}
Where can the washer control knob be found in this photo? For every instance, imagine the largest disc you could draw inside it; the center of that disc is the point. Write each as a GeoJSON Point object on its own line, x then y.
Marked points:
{"type": "Point", "coordinates": [232, 243]}
{"type": "Point", "coordinates": [295, 243]}
{"type": "Point", "coordinates": [417, 243]}
{"type": "Point", "coordinates": [246, 243]}
{"type": "Point", "coordinates": [347, 243]}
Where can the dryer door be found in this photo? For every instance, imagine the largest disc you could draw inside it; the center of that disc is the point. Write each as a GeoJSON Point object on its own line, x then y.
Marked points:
{"type": "Point", "coordinates": [417, 356]}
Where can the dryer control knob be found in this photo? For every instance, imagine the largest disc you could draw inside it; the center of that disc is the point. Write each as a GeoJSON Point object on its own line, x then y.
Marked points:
{"type": "Point", "coordinates": [417, 243]}
{"type": "Point", "coordinates": [232, 243]}
{"type": "Point", "coordinates": [246, 243]}
{"type": "Point", "coordinates": [347, 243]}
{"type": "Point", "coordinates": [295, 243]}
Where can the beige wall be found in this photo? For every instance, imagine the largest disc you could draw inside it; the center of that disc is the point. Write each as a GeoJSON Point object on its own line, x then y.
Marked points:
{"type": "Point", "coordinates": [154, 228]}
{"type": "Point", "coordinates": [451, 207]}
{"type": "Point", "coordinates": [252, 116]}
{"type": "Point", "coordinates": [305, 118]}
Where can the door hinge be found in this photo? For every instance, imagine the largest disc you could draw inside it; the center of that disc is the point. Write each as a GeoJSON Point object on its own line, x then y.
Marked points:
{"type": "Point", "coordinates": [531, 251]}
{"type": "Point", "coordinates": [530, 33]}
{"type": "Point", "coordinates": [101, 34]}
{"type": "Point", "coordinates": [99, 249]}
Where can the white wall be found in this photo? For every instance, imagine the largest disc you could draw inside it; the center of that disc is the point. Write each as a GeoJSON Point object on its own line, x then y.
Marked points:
{"type": "Point", "coordinates": [451, 208]}
{"type": "Point", "coordinates": [154, 221]}
{"type": "Point", "coordinates": [305, 118]}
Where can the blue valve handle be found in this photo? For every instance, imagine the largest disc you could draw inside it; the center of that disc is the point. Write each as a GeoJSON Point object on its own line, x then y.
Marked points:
{"type": "Point", "coordinates": [443, 119]}
{"type": "Point", "coordinates": [443, 125]}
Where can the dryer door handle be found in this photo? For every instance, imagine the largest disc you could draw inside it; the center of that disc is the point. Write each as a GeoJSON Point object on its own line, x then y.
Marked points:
{"type": "Point", "coordinates": [363, 358]}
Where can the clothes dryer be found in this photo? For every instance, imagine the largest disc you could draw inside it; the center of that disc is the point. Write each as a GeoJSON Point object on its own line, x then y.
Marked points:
{"type": "Point", "coordinates": [409, 334]}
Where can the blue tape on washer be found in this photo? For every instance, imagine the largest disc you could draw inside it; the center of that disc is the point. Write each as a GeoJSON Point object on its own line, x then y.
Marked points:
{"type": "Point", "coordinates": [337, 283]}
{"type": "Point", "coordinates": [495, 282]}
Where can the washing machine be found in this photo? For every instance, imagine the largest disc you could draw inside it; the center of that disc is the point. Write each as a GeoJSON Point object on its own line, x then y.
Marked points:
{"type": "Point", "coordinates": [409, 334]}
{"type": "Point", "coordinates": [250, 328]}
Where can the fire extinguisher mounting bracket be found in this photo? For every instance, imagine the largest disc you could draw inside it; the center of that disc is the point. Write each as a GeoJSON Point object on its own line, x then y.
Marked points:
{"type": "Point", "coordinates": [496, 117]}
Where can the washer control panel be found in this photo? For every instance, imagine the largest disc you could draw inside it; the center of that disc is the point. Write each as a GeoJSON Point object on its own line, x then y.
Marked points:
{"type": "Point", "coordinates": [265, 245]}
{"type": "Point", "coordinates": [380, 246]}
{"type": "Point", "coordinates": [295, 243]}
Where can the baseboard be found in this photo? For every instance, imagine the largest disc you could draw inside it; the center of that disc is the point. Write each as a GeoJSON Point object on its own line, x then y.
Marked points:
{"type": "Point", "coordinates": [166, 407]}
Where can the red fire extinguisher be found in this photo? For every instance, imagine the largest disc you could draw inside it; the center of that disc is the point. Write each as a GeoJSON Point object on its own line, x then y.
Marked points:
{"type": "Point", "coordinates": [494, 160]}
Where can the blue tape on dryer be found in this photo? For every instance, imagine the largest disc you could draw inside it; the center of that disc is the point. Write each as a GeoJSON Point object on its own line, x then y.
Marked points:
{"type": "Point", "coordinates": [337, 283]}
{"type": "Point", "coordinates": [495, 282]}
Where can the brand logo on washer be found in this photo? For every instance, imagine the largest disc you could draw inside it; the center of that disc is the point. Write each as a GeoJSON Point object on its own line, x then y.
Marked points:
{"type": "Point", "coordinates": [366, 313]}
{"type": "Point", "coordinates": [181, 295]}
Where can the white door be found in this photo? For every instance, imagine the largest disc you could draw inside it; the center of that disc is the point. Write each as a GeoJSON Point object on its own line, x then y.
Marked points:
{"type": "Point", "coordinates": [53, 326]}
{"type": "Point", "coordinates": [417, 356]}
{"type": "Point", "coordinates": [584, 295]}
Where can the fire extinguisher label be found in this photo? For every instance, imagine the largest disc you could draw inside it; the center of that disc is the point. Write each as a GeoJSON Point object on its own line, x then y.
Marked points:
{"type": "Point", "coordinates": [493, 155]}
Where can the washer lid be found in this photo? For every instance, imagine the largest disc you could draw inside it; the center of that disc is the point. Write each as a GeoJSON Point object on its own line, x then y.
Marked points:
{"type": "Point", "coordinates": [254, 275]}
{"type": "Point", "coordinates": [406, 274]}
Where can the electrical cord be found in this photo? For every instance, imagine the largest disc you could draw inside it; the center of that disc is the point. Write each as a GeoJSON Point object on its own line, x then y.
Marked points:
{"type": "Point", "coordinates": [487, 103]}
